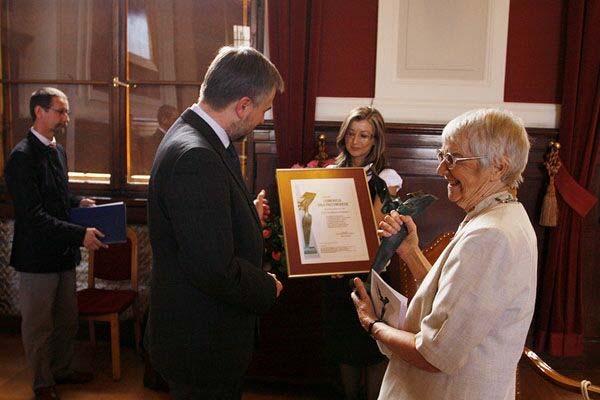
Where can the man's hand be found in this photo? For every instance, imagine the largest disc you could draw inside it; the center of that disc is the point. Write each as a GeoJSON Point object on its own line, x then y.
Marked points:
{"type": "Point", "coordinates": [91, 240]}
{"type": "Point", "coordinates": [278, 284]}
{"type": "Point", "coordinates": [262, 207]}
{"type": "Point", "coordinates": [87, 202]}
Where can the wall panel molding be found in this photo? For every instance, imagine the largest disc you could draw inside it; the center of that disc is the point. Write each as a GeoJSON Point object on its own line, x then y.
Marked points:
{"type": "Point", "coordinates": [431, 112]}
{"type": "Point", "coordinates": [468, 39]}
{"type": "Point", "coordinates": [438, 59]}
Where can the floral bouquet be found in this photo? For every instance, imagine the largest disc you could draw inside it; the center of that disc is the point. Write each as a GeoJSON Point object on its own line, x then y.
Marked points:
{"type": "Point", "coordinates": [274, 253]}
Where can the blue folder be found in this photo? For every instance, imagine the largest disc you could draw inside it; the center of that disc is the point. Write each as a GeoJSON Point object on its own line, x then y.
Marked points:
{"type": "Point", "coordinates": [109, 219]}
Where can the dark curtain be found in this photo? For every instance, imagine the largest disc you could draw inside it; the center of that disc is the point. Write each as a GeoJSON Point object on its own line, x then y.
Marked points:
{"type": "Point", "coordinates": [294, 33]}
{"type": "Point", "coordinates": [559, 327]}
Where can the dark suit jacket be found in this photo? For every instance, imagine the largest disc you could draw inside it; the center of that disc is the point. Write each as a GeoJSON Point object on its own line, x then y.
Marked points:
{"type": "Point", "coordinates": [148, 147]}
{"type": "Point", "coordinates": [208, 285]}
{"type": "Point", "coordinates": [37, 180]}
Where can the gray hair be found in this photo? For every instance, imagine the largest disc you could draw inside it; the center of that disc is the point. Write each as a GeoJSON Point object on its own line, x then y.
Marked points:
{"type": "Point", "coordinates": [495, 134]}
{"type": "Point", "coordinates": [238, 72]}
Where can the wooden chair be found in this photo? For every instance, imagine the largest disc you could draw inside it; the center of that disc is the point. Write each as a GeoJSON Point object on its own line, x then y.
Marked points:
{"type": "Point", "coordinates": [119, 262]}
{"type": "Point", "coordinates": [401, 278]}
{"type": "Point", "coordinates": [554, 377]}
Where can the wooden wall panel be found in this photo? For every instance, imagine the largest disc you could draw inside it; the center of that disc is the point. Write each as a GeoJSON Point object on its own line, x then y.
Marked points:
{"type": "Point", "coordinates": [264, 163]}
{"type": "Point", "coordinates": [411, 151]}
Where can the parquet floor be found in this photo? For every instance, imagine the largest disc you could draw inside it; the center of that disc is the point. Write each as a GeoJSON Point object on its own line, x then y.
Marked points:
{"type": "Point", "coordinates": [15, 379]}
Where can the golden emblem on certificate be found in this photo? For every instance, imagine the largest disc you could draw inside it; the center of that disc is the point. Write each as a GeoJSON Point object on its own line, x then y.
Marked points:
{"type": "Point", "coordinates": [303, 206]}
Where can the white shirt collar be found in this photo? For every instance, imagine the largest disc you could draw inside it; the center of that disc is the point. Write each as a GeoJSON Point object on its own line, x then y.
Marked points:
{"type": "Point", "coordinates": [213, 124]}
{"type": "Point", "coordinates": [43, 138]}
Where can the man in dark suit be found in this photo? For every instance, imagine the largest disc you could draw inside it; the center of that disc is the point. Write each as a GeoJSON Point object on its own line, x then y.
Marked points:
{"type": "Point", "coordinates": [208, 286]}
{"type": "Point", "coordinates": [45, 248]}
{"type": "Point", "coordinates": [165, 116]}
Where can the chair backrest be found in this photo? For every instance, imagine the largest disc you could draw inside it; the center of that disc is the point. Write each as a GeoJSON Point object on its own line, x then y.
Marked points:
{"type": "Point", "coordinates": [118, 262]}
{"type": "Point", "coordinates": [401, 278]}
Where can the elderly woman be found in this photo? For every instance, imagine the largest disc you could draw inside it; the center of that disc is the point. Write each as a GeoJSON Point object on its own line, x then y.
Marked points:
{"type": "Point", "coordinates": [466, 326]}
{"type": "Point", "coordinates": [361, 142]}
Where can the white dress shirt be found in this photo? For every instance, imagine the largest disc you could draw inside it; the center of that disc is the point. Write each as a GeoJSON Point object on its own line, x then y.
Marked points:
{"type": "Point", "coordinates": [213, 124]}
{"type": "Point", "coordinates": [43, 138]}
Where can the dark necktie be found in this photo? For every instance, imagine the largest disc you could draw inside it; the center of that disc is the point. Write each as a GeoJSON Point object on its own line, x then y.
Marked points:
{"type": "Point", "coordinates": [235, 160]}
{"type": "Point", "coordinates": [53, 158]}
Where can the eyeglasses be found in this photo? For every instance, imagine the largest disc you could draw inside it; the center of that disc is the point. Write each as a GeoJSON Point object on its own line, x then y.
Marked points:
{"type": "Point", "coordinates": [451, 159]}
{"type": "Point", "coordinates": [62, 111]}
{"type": "Point", "coordinates": [363, 137]}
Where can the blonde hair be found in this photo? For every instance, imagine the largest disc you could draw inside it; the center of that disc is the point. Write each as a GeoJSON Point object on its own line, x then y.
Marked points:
{"type": "Point", "coordinates": [495, 134]}
{"type": "Point", "coordinates": [375, 156]}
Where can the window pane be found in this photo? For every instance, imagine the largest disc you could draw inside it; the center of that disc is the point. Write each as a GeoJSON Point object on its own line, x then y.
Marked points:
{"type": "Point", "coordinates": [87, 139]}
{"type": "Point", "coordinates": [60, 39]}
{"type": "Point", "coordinates": [153, 110]}
{"type": "Point", "coordinates": [176, 40]}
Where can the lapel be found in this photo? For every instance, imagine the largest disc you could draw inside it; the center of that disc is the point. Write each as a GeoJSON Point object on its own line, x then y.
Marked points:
{"type": "Point", "coordinates": [35, 143]}
{"type": "Point", "coordinates": [55, 164]}
{"type": "Point", "coordinates": [207, 132]}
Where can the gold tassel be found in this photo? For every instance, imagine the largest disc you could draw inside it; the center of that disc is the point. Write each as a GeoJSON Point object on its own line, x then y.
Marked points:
{"type": "Point", "coordinates": [549, 215]}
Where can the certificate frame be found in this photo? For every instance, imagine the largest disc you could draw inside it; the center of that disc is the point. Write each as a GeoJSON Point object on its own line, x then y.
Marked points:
{"type": "Point", "coordinates": [363, 242]}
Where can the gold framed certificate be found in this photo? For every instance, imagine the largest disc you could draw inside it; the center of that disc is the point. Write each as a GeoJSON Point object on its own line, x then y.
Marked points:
{"type": "Point", "coordinates": [328, 222]}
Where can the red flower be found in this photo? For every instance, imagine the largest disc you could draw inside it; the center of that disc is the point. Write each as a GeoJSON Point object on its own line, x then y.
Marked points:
{"type": "Point", "coordinates": [313, 164]}
{"type": "Point", "coordinates": [276, 255]}
{"type": "Point", "coordinates": [266, 233]}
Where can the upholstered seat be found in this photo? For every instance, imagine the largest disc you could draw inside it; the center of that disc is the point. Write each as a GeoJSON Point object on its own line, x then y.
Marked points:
{"type": "Point", "coordinates": [103, 301]}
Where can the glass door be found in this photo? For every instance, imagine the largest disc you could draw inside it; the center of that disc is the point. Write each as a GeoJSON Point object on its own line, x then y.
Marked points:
{"type": "Point", "coordinates": [170, 45]}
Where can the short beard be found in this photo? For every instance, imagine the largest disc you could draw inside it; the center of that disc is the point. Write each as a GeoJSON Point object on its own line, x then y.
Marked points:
{"type": "Point", "coordinates": [239, 129]}
{"type": "Point", "coordinates": [59, 129]}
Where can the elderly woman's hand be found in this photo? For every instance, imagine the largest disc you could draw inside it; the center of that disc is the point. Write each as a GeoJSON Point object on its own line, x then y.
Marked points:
{"type": "Point", "coordinates": [392, 223]}
{"type": "Point", "coordinates": [363, 304]}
